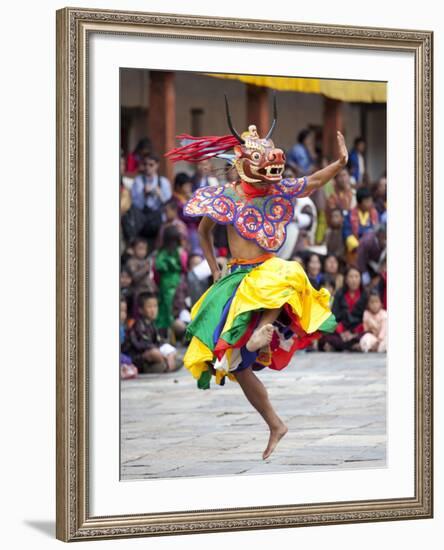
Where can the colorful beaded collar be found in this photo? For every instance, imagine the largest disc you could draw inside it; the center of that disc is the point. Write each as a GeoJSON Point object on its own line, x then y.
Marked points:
{"type": "Point", "coordinates": [260, 218]}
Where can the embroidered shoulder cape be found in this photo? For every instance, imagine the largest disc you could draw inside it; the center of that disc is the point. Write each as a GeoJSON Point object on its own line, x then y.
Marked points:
{"type": "Point", "coordinates": [262, 219]}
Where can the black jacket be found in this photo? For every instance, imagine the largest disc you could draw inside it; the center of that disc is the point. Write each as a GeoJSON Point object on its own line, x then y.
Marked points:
{"type": "Point", "coordinates": [350, 319]}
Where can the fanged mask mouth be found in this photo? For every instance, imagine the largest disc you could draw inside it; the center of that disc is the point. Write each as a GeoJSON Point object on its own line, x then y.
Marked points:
{"type": "Point", "coordinates": [273, 171]}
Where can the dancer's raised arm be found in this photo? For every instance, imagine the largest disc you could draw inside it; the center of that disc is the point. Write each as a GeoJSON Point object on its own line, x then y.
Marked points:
{"type": "Point", "coordinates": [321, 177]}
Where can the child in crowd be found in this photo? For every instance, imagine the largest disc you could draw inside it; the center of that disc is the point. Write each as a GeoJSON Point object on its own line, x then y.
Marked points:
{"type": "Point", "coordinates": [331, 268]}
{"type": "Point", "coordinates": [334, 236]}
{"type": "Point", "coordinates": [140, 267]}
{"type": "Point", "coordinates": [375, 325]}
{"type": "Point", "coordinates": [342, 196]}
{"type": "Point", "coordinates": [382, 284]}
{"type": "Point", "coordinates": [182, 193]}
{"type": "Point", "coordinates": [362, 218]}
{"type": "Point", "coordinates": [123, 328]}
{"type": "Point", "coordinates": [145, 346]}
{"type": "Point", "coordinates": [127, 369]}
{"type": "Point", "coordinates": [172, 219]}
{"type": "Point", "coordinates": [126, 288]}
{"type": "Point", "coordinates": [170, 263]}
{"type": "Point", "coordinates": [313, 269]}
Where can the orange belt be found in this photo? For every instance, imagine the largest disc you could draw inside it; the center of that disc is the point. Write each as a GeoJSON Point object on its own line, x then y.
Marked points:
{"type": "Point", "coordinates": [246, 261]}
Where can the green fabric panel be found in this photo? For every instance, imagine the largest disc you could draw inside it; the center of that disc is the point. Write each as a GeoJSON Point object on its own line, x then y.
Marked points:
{"type": "Point", "coordinates": [204, 380]}
{"type": "Point", "coordinates": [238, 328]}
{"type": "Point", "coordinates": [329, 325]}
{"type": "Point", "coordinates": [210, 311]}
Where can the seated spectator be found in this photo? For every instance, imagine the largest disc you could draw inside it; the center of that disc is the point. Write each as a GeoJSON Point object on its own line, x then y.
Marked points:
{"type": "Point", "coordinates": [306, 219]}
{"type": "Point", "coordinates": [356, 161]}
{"type": "Point", "coordinates": [172, 219]}
{"type": "Point", "coordinates": [382, 282]}
{"type": "Point", "coordinates": [348, 307]}
{"type": "Point", "coordinates": [203, 175]}
{"type": "Point", "coordinates": [321, 228]}
{"type": "Point", "coordinates": [313, 270]}
{"type": "Point", "coordinates": [375, 325]}
{"type": "Point", "coordinates": [145, 345]}
{"type": "Point", "coordinates": [331, 269]}
{"type": "Point", "coordinates": [335, 234]}
{"type": "Point", "coordinates": [126, 288]}
{"type": "Point", "coordinates": [342, 196]}
{"type": "Point", "coordinates": [302, 156]}
{"type": "Point", "coordinates": [140, 268]}
{"type": "Point", "coordinates": [329, 186]}
{"type": "Point", "coordinates": [380, 195]}
{"type": "Point", "coordinates": [123, 327]}
{"type": "Point", "coordinates": [360, 219]}
{"type": "Point", "coordinates": [134, 160]}
{"type": "Point", "coordinates": [170, 263]}
{"type": "Point", "coordinates": [127, 369]}
{"type": "Point", "coordinates": [182, 193]}
{"type": "Point", "coordinates": [371, 251]}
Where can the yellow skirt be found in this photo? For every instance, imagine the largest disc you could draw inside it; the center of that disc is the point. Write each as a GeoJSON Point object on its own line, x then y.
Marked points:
{"type": "Point", "coordinates": [226, 314]}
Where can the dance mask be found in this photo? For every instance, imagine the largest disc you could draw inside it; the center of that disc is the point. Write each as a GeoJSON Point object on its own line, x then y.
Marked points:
{"type": "Point", "coordinates": [256, 159]}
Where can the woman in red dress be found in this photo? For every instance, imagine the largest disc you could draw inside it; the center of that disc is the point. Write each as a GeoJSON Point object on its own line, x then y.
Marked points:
{"type": "Point", "coordinates": [348, 307]}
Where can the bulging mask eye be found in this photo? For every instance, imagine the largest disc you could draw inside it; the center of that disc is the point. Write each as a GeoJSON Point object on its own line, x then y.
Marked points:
{"type": "Point", "coordinates": [255, 156]}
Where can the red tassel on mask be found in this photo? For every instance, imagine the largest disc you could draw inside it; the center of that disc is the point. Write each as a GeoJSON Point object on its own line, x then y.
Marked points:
{"type": "Point", "coordinates": [201, 148]}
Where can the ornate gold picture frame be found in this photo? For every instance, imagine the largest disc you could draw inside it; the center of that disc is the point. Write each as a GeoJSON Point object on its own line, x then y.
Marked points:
{"type": "Point", "coordinates": [74, 29]}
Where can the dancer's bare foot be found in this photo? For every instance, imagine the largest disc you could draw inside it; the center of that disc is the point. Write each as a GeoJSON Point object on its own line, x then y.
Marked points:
{"type": "Point", "coordinates": [276, 434]}
{"type": "Point", "coordinates": [260, 337]}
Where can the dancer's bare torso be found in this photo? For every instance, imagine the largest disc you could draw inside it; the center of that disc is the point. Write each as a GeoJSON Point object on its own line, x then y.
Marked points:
{"type": "Point", "coordinates": [240, 247]}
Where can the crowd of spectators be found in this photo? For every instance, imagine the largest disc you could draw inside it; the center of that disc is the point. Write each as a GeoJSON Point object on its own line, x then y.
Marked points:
{"type": "Point", "coordinates": [338, 234]}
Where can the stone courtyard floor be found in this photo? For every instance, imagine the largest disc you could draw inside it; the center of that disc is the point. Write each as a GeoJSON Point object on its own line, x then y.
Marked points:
{"type": "Point", "coordinates": [334, 405]}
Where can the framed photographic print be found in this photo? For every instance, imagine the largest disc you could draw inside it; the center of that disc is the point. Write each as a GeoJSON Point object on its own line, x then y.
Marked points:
{"type": "Point", "coordinates": [244, 322]}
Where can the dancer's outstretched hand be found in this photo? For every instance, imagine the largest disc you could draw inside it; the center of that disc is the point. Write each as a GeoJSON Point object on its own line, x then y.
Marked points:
{"type": "Point", "coordinates": [343, 153]}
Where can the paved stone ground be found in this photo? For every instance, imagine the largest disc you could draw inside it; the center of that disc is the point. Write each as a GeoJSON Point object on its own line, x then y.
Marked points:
{"type": "Point", "coordinates": [333, 403]}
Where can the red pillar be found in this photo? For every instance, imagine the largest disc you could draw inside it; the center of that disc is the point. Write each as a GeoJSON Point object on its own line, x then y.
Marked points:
{"type": "Point", "coordinates": [333, 121]}
{"type": "Point", "coordinates": [162, 117]}
{"type": "Point", "coordinates": [257, 109]}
